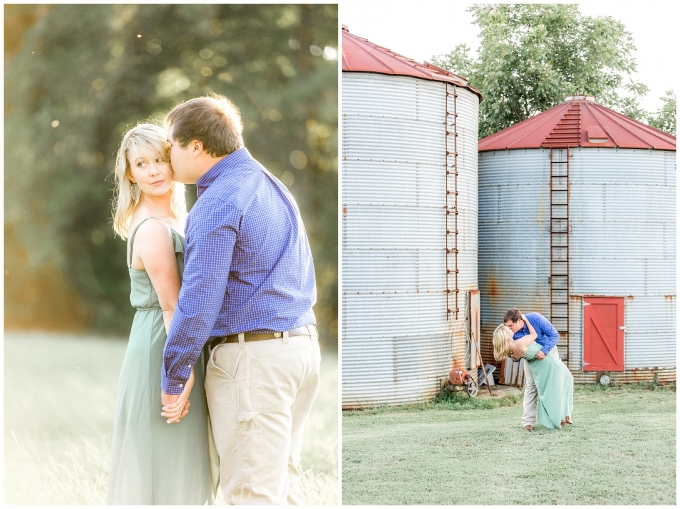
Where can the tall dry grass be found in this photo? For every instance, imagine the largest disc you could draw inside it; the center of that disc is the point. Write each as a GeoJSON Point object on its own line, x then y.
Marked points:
{"type": "Point", "coordinates": [60, 393]}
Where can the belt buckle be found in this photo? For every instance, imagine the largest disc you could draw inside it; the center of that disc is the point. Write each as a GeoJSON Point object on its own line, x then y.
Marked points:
{"type": "Point", "coordinates": [277, 334]}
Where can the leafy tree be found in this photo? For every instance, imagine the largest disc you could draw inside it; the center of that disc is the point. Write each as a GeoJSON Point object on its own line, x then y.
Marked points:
{"type": "Point", "coordinates": [531, 56]}
{"type": "Point", "coordinates": [83, 74]}
{"type": "Point", "coordinates": [665, 117]}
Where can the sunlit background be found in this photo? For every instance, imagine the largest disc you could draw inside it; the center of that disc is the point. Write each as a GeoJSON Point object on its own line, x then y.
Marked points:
{"type": "Point", "coordinates": [76, 78]}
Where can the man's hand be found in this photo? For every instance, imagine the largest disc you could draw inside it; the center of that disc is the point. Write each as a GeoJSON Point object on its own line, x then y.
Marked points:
{"type": "Point", "coordinates": [540, 355]}
{"type": "Point", "coordinates": [518, 355]}
{"type": "Point", "coordinates": [176, 406]}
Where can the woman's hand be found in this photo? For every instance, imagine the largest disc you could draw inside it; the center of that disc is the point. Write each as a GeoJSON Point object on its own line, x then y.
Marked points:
{"type": "Point", "coordinates": [179, 408]}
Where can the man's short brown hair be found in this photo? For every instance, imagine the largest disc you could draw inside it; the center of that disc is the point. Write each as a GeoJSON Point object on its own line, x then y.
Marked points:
{"type": "Point", "coordinates": [212, 120]}
{"type": "Point", "coordinates": [513, 314]}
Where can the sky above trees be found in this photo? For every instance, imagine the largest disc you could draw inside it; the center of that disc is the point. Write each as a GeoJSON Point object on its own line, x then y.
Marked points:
{"type": "Point", "coordinates": [437, 26]}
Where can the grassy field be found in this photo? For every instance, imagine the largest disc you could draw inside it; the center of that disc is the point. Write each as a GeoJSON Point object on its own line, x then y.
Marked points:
{"type": "Point", "coordinates": [60, 394]}
{"type": "Point", "coordinates": [621, 450]}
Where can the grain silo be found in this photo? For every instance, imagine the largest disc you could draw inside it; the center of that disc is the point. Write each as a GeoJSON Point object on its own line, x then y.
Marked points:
{"type": "Point", "coordinates": [577, 222]}
{"type": "Point", "coordinates": [409, 225]}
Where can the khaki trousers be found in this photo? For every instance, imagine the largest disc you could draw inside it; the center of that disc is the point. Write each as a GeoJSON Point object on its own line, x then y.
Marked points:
{"type": "Point", "coordinates": [530, 392]}
{"type": "Point", "coordinates": [259, 396]}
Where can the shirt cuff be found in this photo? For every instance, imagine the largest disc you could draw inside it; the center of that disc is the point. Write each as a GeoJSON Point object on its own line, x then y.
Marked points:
{"type": "Point", "coordinates": [172, 386]}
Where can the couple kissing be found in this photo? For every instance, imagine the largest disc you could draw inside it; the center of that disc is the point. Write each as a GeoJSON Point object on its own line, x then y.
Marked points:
{"type": "Point", "coordinates": [222, 364]}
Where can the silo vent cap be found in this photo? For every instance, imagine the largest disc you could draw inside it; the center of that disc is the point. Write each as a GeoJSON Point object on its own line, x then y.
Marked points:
{"type": "Point", "coordinates": [580, 98]}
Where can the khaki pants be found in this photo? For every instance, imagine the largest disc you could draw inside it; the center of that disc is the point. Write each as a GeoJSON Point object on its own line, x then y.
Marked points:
{"type": "Point", "coordinates": [530, 392]}
{"type": "Point", "coordinates": [259, 396]}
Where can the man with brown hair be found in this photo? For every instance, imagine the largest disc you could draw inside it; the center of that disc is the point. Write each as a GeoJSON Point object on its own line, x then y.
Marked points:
{"type": "Point", "coordinates": [248, 291]}
{"type": "Point", "coordinates": [547, 338]}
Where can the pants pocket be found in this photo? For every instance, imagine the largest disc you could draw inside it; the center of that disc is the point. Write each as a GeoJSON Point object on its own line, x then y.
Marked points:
{"type": "Point", "coordinates": [253, 457]}
{"type": "Point", "coordinates": [275, 382]}
{"type": "Point", "coordinates": [226, 360]}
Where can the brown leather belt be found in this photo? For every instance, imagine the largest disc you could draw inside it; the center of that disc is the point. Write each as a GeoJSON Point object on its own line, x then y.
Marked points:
{"type": "Point", "coordinates": [305, 330]}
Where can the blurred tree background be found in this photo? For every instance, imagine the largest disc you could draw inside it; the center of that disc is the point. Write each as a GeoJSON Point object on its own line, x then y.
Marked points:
{"type": "Point", "coordinates": [78, 76]}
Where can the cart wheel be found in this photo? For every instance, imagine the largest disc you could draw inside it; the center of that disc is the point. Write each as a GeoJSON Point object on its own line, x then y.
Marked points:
{"type": "Point", "coordinates": [471, 388]}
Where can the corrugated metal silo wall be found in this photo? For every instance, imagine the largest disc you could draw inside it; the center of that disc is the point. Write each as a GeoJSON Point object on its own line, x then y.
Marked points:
{"type": "Point", "coordinates": [514, 241]}
{"type": "Point", "coordinates": [397, 344]}
{"type": "Point", "coordinates": [622, 244]}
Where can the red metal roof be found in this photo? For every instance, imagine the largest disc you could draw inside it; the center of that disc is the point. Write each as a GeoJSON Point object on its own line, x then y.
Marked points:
{"type": "Point", "coordinates": [578, 122]}
{"type": "Point", "coordinates": [361, 55]}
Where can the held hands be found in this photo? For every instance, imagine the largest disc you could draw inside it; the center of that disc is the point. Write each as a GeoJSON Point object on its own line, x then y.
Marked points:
{"type": "Point", "coordinates": [176, 406]}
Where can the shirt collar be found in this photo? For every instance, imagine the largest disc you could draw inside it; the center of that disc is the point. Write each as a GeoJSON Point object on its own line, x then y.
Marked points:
{"type": "Point", "coordinates": [523, 329]}
{"type": "Point", "coordinates": [227, 163]}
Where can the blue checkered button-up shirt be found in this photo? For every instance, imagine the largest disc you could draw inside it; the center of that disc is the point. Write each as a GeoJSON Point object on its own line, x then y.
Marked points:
{"type": "Point", "coordinates": [547, 334]}
{"type": "Point", "coordinates": [247, 265]}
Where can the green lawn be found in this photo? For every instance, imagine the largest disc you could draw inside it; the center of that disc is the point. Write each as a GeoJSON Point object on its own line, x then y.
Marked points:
{"type": "Point", "coordinates": [621, 450]}
{"type": "Point", "coordinates": [60, 394]}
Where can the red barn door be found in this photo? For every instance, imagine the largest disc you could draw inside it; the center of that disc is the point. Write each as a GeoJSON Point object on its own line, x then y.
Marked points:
{"type": "Point", "coordinates": [603, 334]}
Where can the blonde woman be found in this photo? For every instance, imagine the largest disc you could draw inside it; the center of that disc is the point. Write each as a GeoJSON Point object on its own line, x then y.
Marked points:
{"type": "Point", "coordinates": [154, 460]}
{"type": "Point", "coordinates": [554, 382]}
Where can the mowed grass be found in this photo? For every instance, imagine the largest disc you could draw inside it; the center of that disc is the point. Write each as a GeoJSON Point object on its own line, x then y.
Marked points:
{"type": "Point", "coordinates": [621, 450]}
{"type": "Point", "coordinates": [60, 394]}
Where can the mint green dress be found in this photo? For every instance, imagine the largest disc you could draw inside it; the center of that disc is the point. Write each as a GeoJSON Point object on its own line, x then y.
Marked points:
{"type": "Point", "coordinates": [555, 386]}
{"type": "Point", "coordinates": [153, 462]}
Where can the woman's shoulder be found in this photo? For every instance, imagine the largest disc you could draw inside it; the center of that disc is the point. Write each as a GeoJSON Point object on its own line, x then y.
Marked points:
{"type": "Point", "coordinates": [151, 231]}
{"type": "Point", "coordinates": [149, 225]}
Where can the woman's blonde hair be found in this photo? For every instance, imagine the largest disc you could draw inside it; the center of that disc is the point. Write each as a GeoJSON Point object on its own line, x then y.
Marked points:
{"type": "Point", "coordinates": [143, 140]}
{"type": "Point", "coordinates": [501, 342]}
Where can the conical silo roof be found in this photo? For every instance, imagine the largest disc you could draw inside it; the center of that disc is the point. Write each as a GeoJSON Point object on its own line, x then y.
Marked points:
{"type": "Point", "coordinates": [361, 55]}
{"type": "Point", "coordinates": [578, 122]}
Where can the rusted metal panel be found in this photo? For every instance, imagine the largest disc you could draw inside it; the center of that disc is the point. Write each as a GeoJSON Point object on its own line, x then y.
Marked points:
{"type": "Point", "coordinates": [512, 373]}
{"type": "Point", "coordinates": [575, 338]}
{"type": "Point", "coordinates": [397, 344]}
{"type": "Point", "coordinates": [660, 376]}
{"type": "Point", "coordinates": [569, 123]}
{"type": "Point", "coordinates": [514, 236]}
{"type": "Point", "coordinates": [474, 331]}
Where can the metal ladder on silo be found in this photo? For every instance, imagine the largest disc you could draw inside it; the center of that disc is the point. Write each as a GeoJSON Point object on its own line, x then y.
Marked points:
{"type": "Point", "coordinates": [559, 243]}
{"type": "Point", "coordinates": [454, 210]}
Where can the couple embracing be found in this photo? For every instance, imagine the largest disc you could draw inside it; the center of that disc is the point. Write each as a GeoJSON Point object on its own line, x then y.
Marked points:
{"type": "Point", "coordinates": [222, 365]}
{"type": "Point", "coordinates": [549, 386]}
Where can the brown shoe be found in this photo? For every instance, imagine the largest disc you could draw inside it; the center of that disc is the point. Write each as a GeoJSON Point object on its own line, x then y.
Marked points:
{"type": "Point", "coordinates": [528, 427]}
{"type": "Point", "coordinates": [567, 420]}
